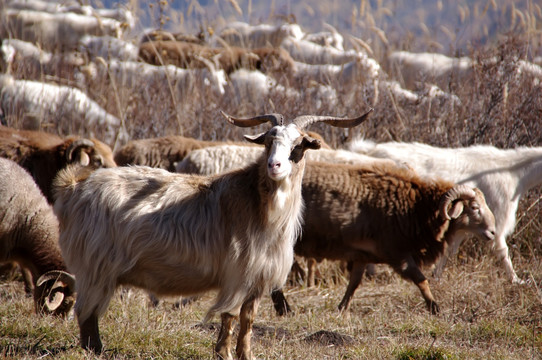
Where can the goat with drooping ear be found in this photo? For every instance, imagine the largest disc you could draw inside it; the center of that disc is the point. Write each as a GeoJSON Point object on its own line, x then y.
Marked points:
{"type": "Point", "coordinates": [178, 234]}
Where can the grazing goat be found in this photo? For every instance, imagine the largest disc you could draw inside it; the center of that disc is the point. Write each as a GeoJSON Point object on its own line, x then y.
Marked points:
{"type": "Point", "coordinates": [504, 176]}
{"type": "Point", "coordinates": [43, 154]}
{"type": "Point", "coordinates": [29, 237]}
{"type": "Point", "coordinates": [162, 152]}
{"type": "Point", "coordinates": [384, 214]}
{"type": "Point", "coordinates": [175, 234]}
{"type": "Point", "coordinates": [37, 100]}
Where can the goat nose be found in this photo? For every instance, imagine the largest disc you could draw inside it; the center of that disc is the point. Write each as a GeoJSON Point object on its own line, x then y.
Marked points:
{"type": "Point", "coordinates": [274, 164]}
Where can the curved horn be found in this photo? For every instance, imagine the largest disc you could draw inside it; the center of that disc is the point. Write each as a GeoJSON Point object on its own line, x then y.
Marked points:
{"type": "Point", "coordinates": [75, 145]}
{"type": "Point", "coordinates": [275, 119]}
{"type": "Point", "coordinates": [457, 192]}
{"type": "Point", "coordinates": [306, 120]}
{"type": "Point", "coordinates": [52, 298]}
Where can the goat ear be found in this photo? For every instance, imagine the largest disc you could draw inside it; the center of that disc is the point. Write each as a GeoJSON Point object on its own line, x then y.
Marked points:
{"type": "Point", "coordinates": [311, 143]}
{"type": "Point", "coordinates": [256, 139]}
{"type": "Point", "coordinates": [456, 209]}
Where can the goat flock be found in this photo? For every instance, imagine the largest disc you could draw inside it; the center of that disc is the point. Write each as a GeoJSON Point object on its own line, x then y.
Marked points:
{"type": "Point", "coordinates": [176, 215]}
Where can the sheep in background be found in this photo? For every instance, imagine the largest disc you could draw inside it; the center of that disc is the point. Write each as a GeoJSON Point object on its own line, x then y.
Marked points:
{"type": "Point", "coordinates": [43, 155]}
{"type": "Point", "coordinates": [438, 69]}
{"type": "Point", "coordinates": [311, 53]}
{"type": "Point", "coordinates": [107, 47]}
{"type": "Point", "coordinates": [55, 31]}
{"type": "Point", "coordinates": [161, 152]}
{"type": "Point", "coordinates": [31, 63]}
{"type": "Point", "coordinates": [232, 233]}
{"type": "Point", "coordinates": [182, 81]}
{"type": "Point", "coordinates": [29, 237]}
{"type": "Point", "coordinates": [327, 38]}
{"type": "Point", "coordinates": [256, 36]}
{"type": "Point", "coordinates": [229, 59]}
{"type": "Point", "coordinates": [383, 214]}
{"type": "Point", "coordinates": [45, 102]}
{"type": "Point", "coordinates": [504, 176]}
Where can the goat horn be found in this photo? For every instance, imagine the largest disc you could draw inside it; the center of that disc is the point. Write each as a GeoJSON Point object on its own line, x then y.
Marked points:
{"type": "Point", "coordinates": [75, 145]}
{"type": "Point", "coordinates": [275, 119]}
{"type": "Point", "coordinates": [306, 120]}
{"type": "Point", "coordinates": [54, 296]}
{"type": "Point", "coordinates": [463, 192]}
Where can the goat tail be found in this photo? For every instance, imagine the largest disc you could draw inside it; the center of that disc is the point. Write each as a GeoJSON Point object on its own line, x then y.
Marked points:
{"type": "Point", "coordinates": [67, 178]}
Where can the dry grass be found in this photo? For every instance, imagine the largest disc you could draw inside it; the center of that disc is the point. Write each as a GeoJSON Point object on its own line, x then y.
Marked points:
{"type": "Point", "coordinates": [483, 315]}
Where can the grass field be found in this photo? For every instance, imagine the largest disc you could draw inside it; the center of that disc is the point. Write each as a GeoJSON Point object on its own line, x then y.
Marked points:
{"type": "Point", "coordinates": [483, 315]}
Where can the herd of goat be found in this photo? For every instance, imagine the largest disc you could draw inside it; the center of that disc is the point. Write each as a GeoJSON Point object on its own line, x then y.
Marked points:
{"type": "Point", "coordinates": [176, 215]}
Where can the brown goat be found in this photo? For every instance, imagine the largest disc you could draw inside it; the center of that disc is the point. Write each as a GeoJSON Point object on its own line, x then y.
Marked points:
{"type": "Point", "coordinates": [229, 59]}
{"type": "Point", "coordinates": [29, 237]}
{"type": "Point", "coordinates": [43, 154]}
{"type": "Point", "coordinates": [383, 214]}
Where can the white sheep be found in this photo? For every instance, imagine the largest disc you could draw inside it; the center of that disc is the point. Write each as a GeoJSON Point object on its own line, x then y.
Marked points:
{"type": "Point", "coordinates": [185, 81]}
{"type": "Point", "coordinates": [45, 101]}
{"type": "Point", "coordinates": [311, 53]}
{"type": "Point", "coordinates": [254, 36]}
{"type": "Point", "coordinates": [411, 69]}
{"type": "Point", "coordinates": [503, 175]}
{"type": "Point", "coordinates": [30, 62]}
{"type": "Point", "coordinates": [56, 31]}
{"type": "Point", "coordinates": [177, 234]}
{"type": "Point", "coordinates": [108, 47]}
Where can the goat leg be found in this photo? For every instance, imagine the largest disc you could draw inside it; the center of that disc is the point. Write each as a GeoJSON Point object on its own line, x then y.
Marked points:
{"type": "Point", "coordinates": [223, 345]}
{"type": "Point", "coordinates": [409, 270]}
{"type": "Point", "coordinates": [246, 319]}
{"type": "Point", "coordinates": [356, 274]}
{"type": "Point", "coordinates": [90, 334]}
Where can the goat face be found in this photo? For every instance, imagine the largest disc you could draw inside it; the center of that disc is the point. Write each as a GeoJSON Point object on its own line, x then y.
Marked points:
{"type": "Point", "coordinates": [474, 216]}
{"type": "Point", "coordinates": [285, 146]}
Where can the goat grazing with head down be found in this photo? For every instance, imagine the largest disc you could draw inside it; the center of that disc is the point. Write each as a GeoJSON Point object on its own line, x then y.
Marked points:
{"type": "Point", "coordinates": [29, 237]}
{"type": "Point", "coordinates": [178, 234]}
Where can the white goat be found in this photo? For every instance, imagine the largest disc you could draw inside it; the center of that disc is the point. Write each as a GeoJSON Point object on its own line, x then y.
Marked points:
{"type": "Point", "coordinates": [182, 234]}
{"type": "Point", "coordinates": [256, 36]}
{"type": "Point", "coordinates": [131, 73]}
{"type": "Point", "coordinates": [41, 100]}
{"type": "Point", "coordinates": [433, 68]}
{"type": "Point", "coordinates": [31, 63]}
{"type": "Point", "coordinates": [311, 53]}
{"type": "Point", "coordinates": [504, 176]}
{"type": "Point", "coordinates": [108, 47]}
{"type": "Point", "coordinates": [56, 31]}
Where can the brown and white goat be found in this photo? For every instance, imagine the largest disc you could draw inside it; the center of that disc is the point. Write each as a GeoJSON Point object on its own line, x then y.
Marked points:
{"type": "Point", "coordinates": [29, 237]}
{"type": "Point", "coordinates": [178, 234]}
{"type": "Point", "coordinates": [43, 154]}
{"type": "Point", "coordinates": [384, 214]}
